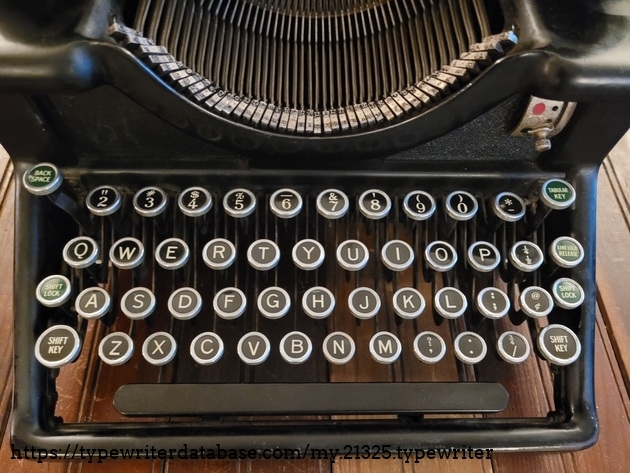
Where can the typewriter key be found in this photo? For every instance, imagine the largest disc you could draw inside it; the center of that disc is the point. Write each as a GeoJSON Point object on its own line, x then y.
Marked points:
{"type": "Point", "coordinates": [508, 207]}
{"type": "Point", "coordinates": [470, 348]}
{"type": "Point", "coordinates": [385, 347]}
{"type": "Point", "coordinates": [440, 256]}
{"type": "Point", "coordinates": [206, 348]}
{"type": "Point", "coordinates": [92, 303]}
{"type": "Point", "coordinates": [263, 255]}
{"type": "Point", "coordinates": [408, 303]}
{"type": "Point", "coordinates": [285, 203]}
{"type": "Point", "coordinates": [567, 293]}
{"type": "Point", "coordinates": [397, 255]}
{"type": "Point", "coordinates": [332, 203]}
{"type": "Point", "coordinates": [116, 349]}
{"type": "Point", "coordinates": [559, 345]}
{"type": "Point", "coordinates": [566, 252]}
{"type": "Point", "coordinates": [461, 205]}
{"type": "Point", "coordinates": [150, 201]}
{"type": "Point", "coordinates": [138, 303]}
{"type": "Point", "coordinates": [450, 302]}
{"type": "Point", "coordinates": [295, 347]}
{"type": "Point", "coordinates": [274, 302]}
{"type": "Point", "coordinates": [185, 303]}
{"type": "Point", "coordinates": [483, 256]}
{"type": "Point", "coordinates": [352, 255]}
{"type": "Point", "coordinates": [253, 348]}
{"type": "Point", "coordinates": [229, 303]}
{"type": "Point", "coordinates": [194, 201]}
{"type": "Point", "coordinates": [219, 253]}
{"type": "Point", "coordinates": [59, 345]}
{"type": "Point", "coordinates": [374, 204]}
{"type": "Point", "coordinates": [557, 194]}
{"type": "Point", "coordinates": [159, 348]}
{"type": "Point", "coordinates": [338, 348]}
{"type": "Point", "coordinates": [127, 253]}
{"type": "Point", "coordinates": [419, 205]}
{"type": "Point", "coordinates": [513, 347]}
{"type": "Point", "coordinates": [364, 303]}
{"type": "Point", "coordinates": [308, 254]}
{"type": "Point", "coordinates": [318, 302]}
{"type": "Point", "coordinates": [429, 347]}
{"type": "Point", "coordinates": [42, 179]}
{"type": "Point", "coordinates": [526, 256]}
{"type": "Point", "coordinates": [54, 291]}
{"type": "Point", "coordinates": [172, 253]}
{"type": "Point", "coordinates": [103, 201]}
{"type": "Point", "coordinates": [536, 302]}
{"type": "Point", "coordinates": [492, 303]}
{"type": "Point", "coordinates": [80, 252]}
{"type": "Point", "coordinates": [239, 203]}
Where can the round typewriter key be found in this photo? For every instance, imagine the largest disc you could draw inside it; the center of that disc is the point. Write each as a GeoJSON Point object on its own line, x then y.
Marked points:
{"type": "Point", "coordinates": [172, 253]}
{"type": "Point", "coordinates": [352, 255]}
{"type": "Point", "coordinates": [567, 293]}
{"type": "Point", "coordinates": [92, 303]}
{"type": "Point", "coordinates": [116, 349]}
{"type": "Point", "coordinates": [332, 203]}
{"type": "Point", "coordinates": [483, 256]}
{"type": "Point", "coordinates": [263, 255]}
{"type": "Point", "coordinates": [308, 254]}
{"type": "Point", "coordinates": [138, 303]}
{"type": "Point", "coordinates": [566, 252]}
{"type": "Point", "coordinates": [508, 207]}
{"type": "Point", "coordinates": [526, 256]}
{"type": "Point", "coordinates": [194, 201]}
{"type": "Point", "coordinates": [559, 345]}
{"type": "Point", "coordinates": [536, 302]}
{"type": "Point", "coordinates": [513, 347]}
{"type": "Point", "coordinates": [80, 252]}
{"type": "Point", "coordinates": [206, 348]}
{"type": "Point", "coordinates": [557, 194]}
{"type": "Point", "coordinates": [57, 346]}
{"type": "Point", "coordinates": [440, 256]}
{"type": "Point", "coordinates": [42, 179]}
{"type": "Point", "coordinates": [493, 303]}
{"type": "Point", "coordinates": [127, 253]}
{"type": "Point", "coordinates": [397, 255]}
{"type": "Point", "coordinates": [54, 291]}
{"type": "Point", "coordinates": [318, 302]}
{"type": "Point", "coordinates": [450, 302]}
{"type": "Point", "coordinates": [285, 203]}
{"type": "Point", "coordinates": [274, 302]}
{"type": "Point", "coordinates": [429, 347]}
{"type": "Point", "coordinates": [253, 348]}
{"type": "Point", "coordinates": [159, 348]}
{"type": "Point", "coordinates": [338, 348]}
{"type": "Point", "coordinates": [219, 253]}
{"type": "Point", "coordinates": [374, 204]}
{"type": "Point", "coordinates": [385, 347]}
{"type": "Point", "coordinates": [229, 303]}
{"type": "Point", "coordinates": [295, 348]}
{"type": "Point", "coordinates": [470, 348]}
{"type": "Point", "coordinates": [103, 201]}
{"type": "Point", "coordinates": [461, 205]}
{"type": "Point", "coordinates": [419, 205]}
{"type": "Point", "coordinates": [185, 303]}
{"type": "Point", "coordinates": [239, 203]}
{"type": "Point", "coordinates": [364, 303]}
{"type": "Point", "coordinates": [150, 201]}
{"type": "Point", "coordinates": [408, 303]}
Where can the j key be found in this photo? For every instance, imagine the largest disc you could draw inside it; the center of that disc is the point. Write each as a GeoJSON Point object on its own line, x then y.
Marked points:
{"type": "Point", "coordinates": [429, 347]}
{"type": "Point", "coordinates": [138, 303]}
{"type": "Point", "coordinates": [59, 345]}
{"type": "Point", "coordinates": [219, 253]}
{"type": "Point", "coordinates": [93, 303]}
{"type": "Point", "coordinates": [352, 255]}
{"type": "Point", "coordinates": [239, 203]}
{"type": "Point", "coordinates": [470, 348]}
{"type": "Point", "coordinates": [526, 256]}
{"type": "Point", "coordinates": [185, 303]}
{"type": "Point", "coordinates": [483, 256]}
{"type": "Point", "coordinates": [397, 255]}
{"type": "Point", "coordinates": [54, 291]}
{"type": "Point", "coordinates": [127, 253]}
{"type": "Point", "coordinates": [374, 204]}
{"type": "Point", "coordinates": [295, 347]}
{"type": "Point", "coordinates": [408, 303]}
{"type": "Point", "coordinates": [253, 348]}
{"type": "Point", "coordinates": [318, 302]}
{"type": "Point", "coordinates": [364, 303]}
{"type": "Point", "coordinates": [263, 255]}
{"type": "Point", "coordinates": [229, 303]}
{"type": "Point", "coordinates": [513, 347]}
{"type": "Point", "coordinates": [172, 253]}
{"type": "Point", "coordinates": [566, 252]}
{"type": "Point", "coordinates": [419, 205]}
{"type": "Point", "coordinates": [103, 201]}
{"type": "Point", "coordinates": [536, 302]}
{"type": "Point", "coordinates": [308, 254]}
{"type": "Point", "coordinates": [207, 348]}
{"type": "Point", "coordinates": [150, 201]}
{"type": "Point", "coordinates": [385, 347]}
{"type": "Point", "coordinates": [450, 302]}
{"type": "Point", "coordinates": [440, 256]}
{"type": "Point", "coordinates": [338, 348]}
{"type": "Point", "coordinates": [567, 293]}
{"type": "Point", "coordinates": [116, 349]}
{"type": "Point", "coordinates": [159, 348]}
{"type": "Point", "coordinates": [274, 302]}
{"type": "Point", "coordinates": [285, 203]}
{"type": "Point", "coordinates": [81, 252]}
{"type": "Point", "coordinates": [559, 345]}
{"type": "Point", "coordinates": [492, 303]}
{"type": "Point", "coordinates": [332, 203]}
{"type": "Point", "coordinates": [194, 201]}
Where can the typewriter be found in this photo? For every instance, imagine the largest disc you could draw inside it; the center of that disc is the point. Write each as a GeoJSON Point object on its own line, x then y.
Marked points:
{"type": "Point", "coordinates": [272, 223]}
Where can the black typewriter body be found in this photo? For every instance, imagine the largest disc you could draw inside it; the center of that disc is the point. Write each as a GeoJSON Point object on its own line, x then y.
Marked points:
{"type": "Point", "coordinates": [86, 93]}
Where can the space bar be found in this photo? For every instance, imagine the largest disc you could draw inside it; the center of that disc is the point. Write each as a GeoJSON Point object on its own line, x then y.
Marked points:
{"type": "Point", "coordinates": [309, 398]}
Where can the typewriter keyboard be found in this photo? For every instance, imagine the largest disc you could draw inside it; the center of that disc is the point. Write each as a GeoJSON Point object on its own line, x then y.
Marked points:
{"type": "Point", "coordinates": [291, 295]}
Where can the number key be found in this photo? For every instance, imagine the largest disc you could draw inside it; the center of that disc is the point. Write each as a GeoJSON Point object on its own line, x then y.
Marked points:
{"type": "Point", "coordinates": [419, 205]}
{"type": "Point", "coordinates": [332, 203]}
{"type": "Point", "coordinates": [285, 203]}
{"type": "Point", "coordinates": [461, 205]}
{"type": "Point", "coordinates": [374, 204]}
{"type": "Point", "coordinates": [104, 200]}
{"type": "Point", "coordinates": [194, 201]}
{"type": "Point", "coordinates": [150, 201]}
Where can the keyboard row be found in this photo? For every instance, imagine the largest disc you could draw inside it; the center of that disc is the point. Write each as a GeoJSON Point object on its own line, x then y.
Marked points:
{"type": "Point", "coordinates": [61, 344]}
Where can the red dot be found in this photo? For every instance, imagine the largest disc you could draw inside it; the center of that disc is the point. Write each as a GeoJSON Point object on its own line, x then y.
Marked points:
{"type": "Point", "coordinates": [539, 109]}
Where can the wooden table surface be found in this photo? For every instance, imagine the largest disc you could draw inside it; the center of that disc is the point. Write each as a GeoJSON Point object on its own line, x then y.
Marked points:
{"type": "Point", "coordinates": [610, 454]}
